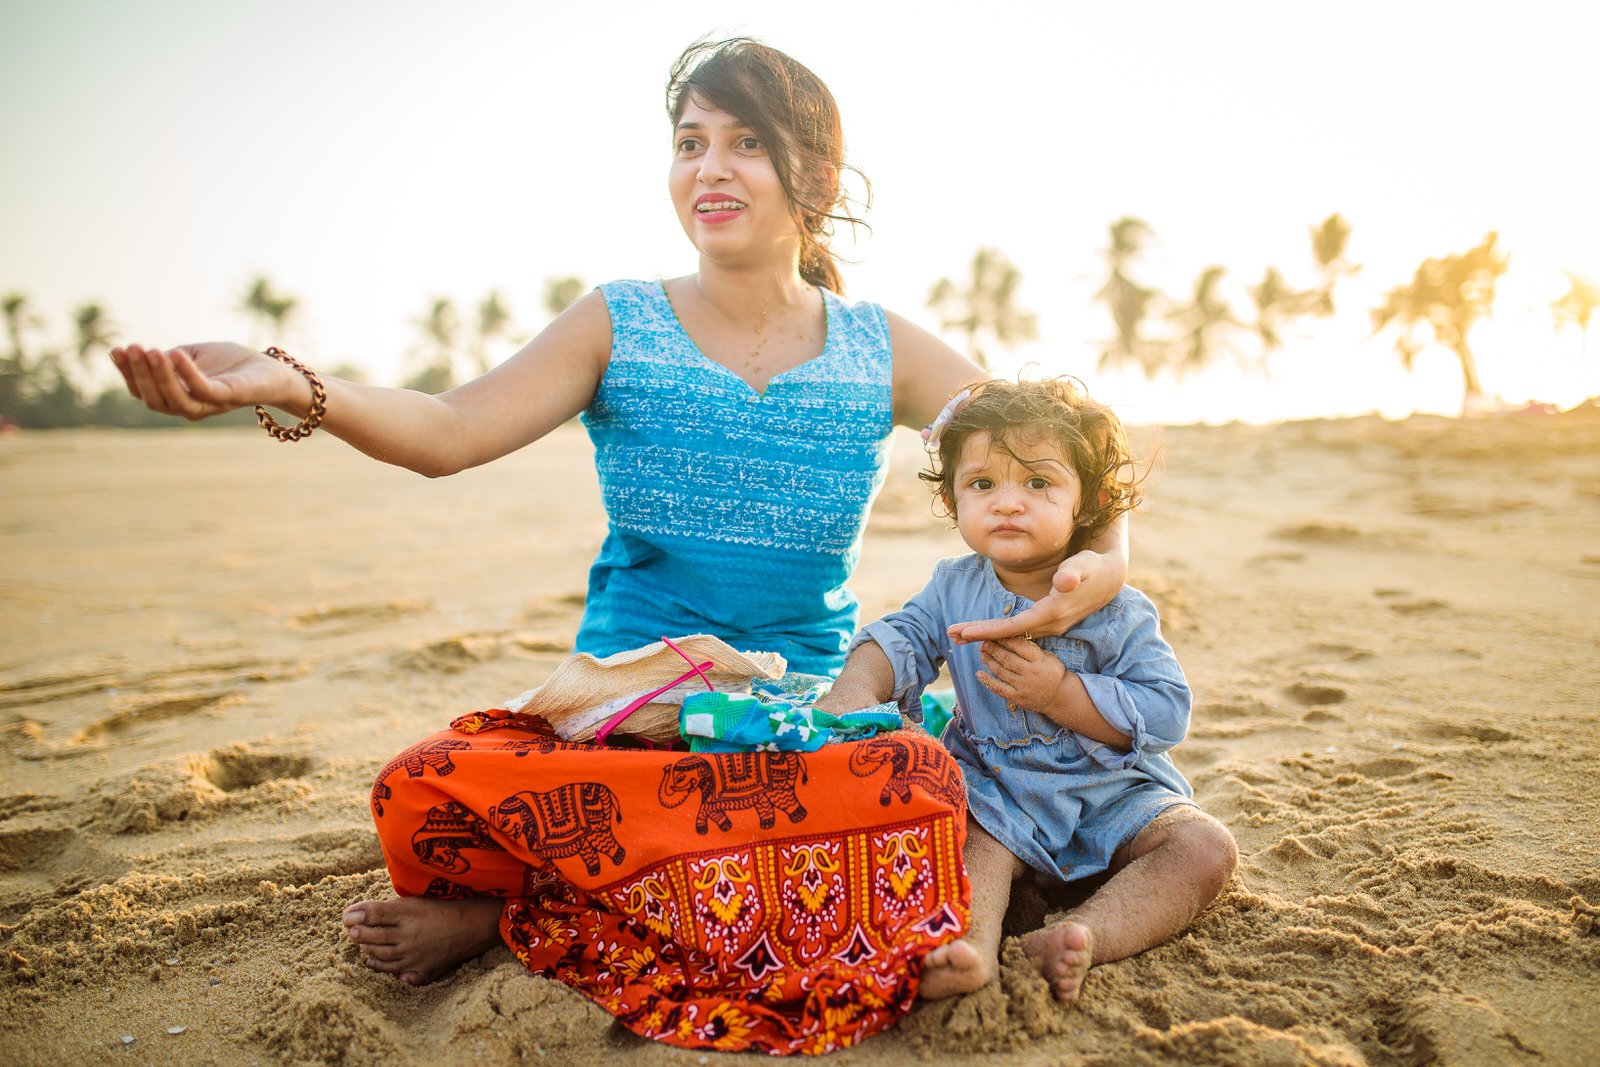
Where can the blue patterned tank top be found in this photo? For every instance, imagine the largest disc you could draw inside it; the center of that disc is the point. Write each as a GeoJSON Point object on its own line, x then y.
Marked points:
{"type": "Point", "coordinates": [734, 513]}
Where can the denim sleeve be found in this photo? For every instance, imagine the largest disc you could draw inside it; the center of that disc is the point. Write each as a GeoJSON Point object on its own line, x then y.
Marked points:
{"type": "Point", "coordinates": [913, 638]}
{"type": "Point", "coordinates": [1139, 687]}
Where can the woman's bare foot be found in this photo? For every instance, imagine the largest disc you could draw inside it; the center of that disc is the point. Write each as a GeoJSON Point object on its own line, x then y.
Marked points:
{"type": "Point", "coordinates": [1064, 953]}
{"type": "Point", "coordinates": [417, 939]}
{"type": "Point", "coordinates": [953, 969]}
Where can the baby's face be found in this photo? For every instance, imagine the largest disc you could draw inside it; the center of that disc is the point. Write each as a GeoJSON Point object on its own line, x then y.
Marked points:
{"type": "Point", "coordinates": [1017, 510]}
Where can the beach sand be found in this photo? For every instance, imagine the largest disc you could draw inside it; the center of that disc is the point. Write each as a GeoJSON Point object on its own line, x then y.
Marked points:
{"type": "Point", "coordinates": [210, 643]}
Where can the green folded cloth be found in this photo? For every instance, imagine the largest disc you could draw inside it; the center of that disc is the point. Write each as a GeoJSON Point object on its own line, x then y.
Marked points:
{"type": "Point", "coordinates": [938, 706]}
{"type": "Point", "coordinates": [776, 716]}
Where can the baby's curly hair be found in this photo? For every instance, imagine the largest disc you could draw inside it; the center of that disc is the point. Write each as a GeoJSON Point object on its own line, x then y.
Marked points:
{"type": "Point", "coordinates": [1059, 411]}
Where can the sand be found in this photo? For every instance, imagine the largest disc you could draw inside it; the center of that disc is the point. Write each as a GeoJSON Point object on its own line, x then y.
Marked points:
{"type": "Point", "coordinates": [209, 643]}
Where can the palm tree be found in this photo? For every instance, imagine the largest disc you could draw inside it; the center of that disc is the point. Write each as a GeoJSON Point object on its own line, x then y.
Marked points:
{"type": "Point", "coordinates": [1449, 294]}
{"type": "Point", "coordinates": [14, 368]}
{"type": "Point", "coordinates": [494, 323]}
{"type": "Point", "coordinates": [1576, 305]}
{"type": "Point", "coordinates": [986, 306]}
{"type": "Point", "coordinates": [1275, 303]}
{"type": "Point", "coordinates": [1329, 240]}
{"type": "Point", "coordinates": [270, 310]}
{"type": "Point", "coordinates": [95, 330]}
{"type": "Point", "coordinates": [561, 293]}
{"type": "Point", "coordinates": [1128, 301]}
{"type": "Point", "coordinates": [20, 318]}
{"type": "Point", "coordinates": [1204, 322]}
{"type": "Point", "coordinates": [441, 330]}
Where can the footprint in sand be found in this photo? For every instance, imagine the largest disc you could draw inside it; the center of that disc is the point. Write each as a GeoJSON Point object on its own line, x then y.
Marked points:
{"type": "Point", "coordinates": [1389, 767]}
{"type": "Point", "coordinates": [450, 656]}
{"type": "Point", "coordinates": [234, 770]}
{"type": "Point", "coordinates": [1341, 534]}
{"type": "Point", "coordinates": [1318, 533]}
{"type": "Point", "coordinates": [553, 606]}
{"type": "Point", "coordinates": [1308, 695]}
{"type": "Point", "coordinates": [351, 618]}
{"type": "Point", "coordinates": [1485, 734]}
{"type": "Point", "coordinates": [1419, 607]}
{"type": "Point", "coordinates": [1404, 602]}
{"type": "Point", "coordinates": [124, 722]}
{"type": "Point", "coordinates": [25, 849]}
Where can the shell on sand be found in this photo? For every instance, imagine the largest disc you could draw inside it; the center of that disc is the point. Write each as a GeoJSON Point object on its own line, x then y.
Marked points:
{"type": "Point", "coordinates": [583, 683]}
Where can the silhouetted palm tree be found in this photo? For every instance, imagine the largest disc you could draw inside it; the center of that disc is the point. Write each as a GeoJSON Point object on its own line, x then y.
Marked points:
{"type": "Point", "coordinates": [441, 332]}
{"type": "Point", "coordinates": [1276, 303]}
{"type": "Point", "coordinates": [1204, 323]}
{"type": "Point", "coordinates": [1329, 240]}
{"type": "Point", "coordinates": [270, 311]}
{"type": "Point", "coordinates": [20, 319]}
{"type": "Point", "coordinates": [561, 293]}
{"type": "Point", "coordinates": [14, 366]}
{"type": "Point", "coordinates": [94, 330]}
{"type": "Point", "coordinates": [985, 306]}
{"type": "Point", "coordinates": [1129, 302]}
{"type": "Point", "coordinates": [1449, 295]}
{"type": "Point", "coordinates": [1576, 305]}
{"type": "Point", "coordinates": [494, 323]}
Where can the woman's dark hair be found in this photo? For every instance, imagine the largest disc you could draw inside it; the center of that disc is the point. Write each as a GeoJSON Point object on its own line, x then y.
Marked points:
{"type": "Point", "coordinates": [1056, 410]}
{"type": "Point", "coordinates": [794, 114]}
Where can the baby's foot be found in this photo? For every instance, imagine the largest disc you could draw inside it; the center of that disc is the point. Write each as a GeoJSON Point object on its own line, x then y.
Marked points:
{"type": "Point", "coordinates": [953, 969]}
{"type": "Point", "coordinates": [418, 939]}
{"type": "Point", "coordinates": [1064, 953]}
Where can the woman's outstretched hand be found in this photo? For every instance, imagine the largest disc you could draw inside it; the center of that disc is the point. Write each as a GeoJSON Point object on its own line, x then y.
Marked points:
{"type": "Point", "coordinates": [1082, 585]}
{"type": "Point", "coordinates": [198, 381]}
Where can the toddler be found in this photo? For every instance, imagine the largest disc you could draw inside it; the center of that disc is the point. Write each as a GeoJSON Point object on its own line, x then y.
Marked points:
{"type": "Point", "coordinates": [1062, 740]}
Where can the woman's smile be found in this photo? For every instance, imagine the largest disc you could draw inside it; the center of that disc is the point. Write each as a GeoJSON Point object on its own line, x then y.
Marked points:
{"type": "Point", "coordinates": [717, 208]}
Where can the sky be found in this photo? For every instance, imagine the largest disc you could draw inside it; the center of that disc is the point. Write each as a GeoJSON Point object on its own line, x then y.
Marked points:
{"type": "Point", "coordinates": [367, 157]}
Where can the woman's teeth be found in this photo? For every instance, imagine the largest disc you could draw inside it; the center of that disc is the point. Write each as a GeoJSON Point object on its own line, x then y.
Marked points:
{"type": "Point", "coordinates": [720, 205]}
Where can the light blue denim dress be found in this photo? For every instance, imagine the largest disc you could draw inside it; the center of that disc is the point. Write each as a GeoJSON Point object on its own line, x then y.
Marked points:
{"type": "Point", "coordinates": [1060, 802]}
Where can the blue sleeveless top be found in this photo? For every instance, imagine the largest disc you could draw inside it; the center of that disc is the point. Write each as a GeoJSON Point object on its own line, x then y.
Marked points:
{"type": "Point", "coordinates": [734, 513]}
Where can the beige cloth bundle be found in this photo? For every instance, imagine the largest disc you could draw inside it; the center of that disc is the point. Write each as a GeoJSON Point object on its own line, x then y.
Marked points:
{"type": "Point", "coordinates": [584, 692]}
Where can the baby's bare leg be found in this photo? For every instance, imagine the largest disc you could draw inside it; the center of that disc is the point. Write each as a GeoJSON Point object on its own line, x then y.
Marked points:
{"type": "Point", "coordinates": [972, 962]}
{"type": "Point", "coordinates": [1164, 877]}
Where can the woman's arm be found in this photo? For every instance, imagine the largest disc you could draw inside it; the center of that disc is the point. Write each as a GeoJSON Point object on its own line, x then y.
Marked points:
{"type": "Point", "coordinates": [927, 373]}
{"type": "Point", "coordinates": [1084, 583]}
{"type": "Point", "coordinates": [549, 381]}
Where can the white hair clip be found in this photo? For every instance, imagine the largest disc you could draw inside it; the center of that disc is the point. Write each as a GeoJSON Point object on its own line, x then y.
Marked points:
{"type": "Point", "coordinates": [932, 432]}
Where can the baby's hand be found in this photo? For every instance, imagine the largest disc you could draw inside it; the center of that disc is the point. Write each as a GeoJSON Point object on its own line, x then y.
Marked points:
{"type": "Point", "coordinates": [1021, 672]}
{"type": "Point", "coordinates": [843, 699]}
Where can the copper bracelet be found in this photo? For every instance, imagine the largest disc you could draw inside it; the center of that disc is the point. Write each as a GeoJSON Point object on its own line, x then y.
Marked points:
{"type": "Point", "coordinates": [313, 419]}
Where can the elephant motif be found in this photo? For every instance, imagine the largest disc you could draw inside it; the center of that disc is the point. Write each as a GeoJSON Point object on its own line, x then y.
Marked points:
{"type": "Point", "coordinates": [574, 820]}
{"type": "Point", "coordinates": [931, 768]}
{"type": "Point", "coordinates": [445, 889]}
{"type": "Point", "coordinates": [735, 781]}
{"type": "Point", "coordinates": [449, 828]}
{"type": "Point", "coordinates": [416, 760]}
{"type": "Point", "coordinates": [541, 745]}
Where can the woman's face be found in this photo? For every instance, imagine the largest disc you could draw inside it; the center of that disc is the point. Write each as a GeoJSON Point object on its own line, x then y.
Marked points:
{"type": "Point", "coordinates": [726, 190]}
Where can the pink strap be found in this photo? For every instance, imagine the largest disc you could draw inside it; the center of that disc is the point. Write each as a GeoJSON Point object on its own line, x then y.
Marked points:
{"type": "Point", "coordinates": [616, 720]}
{"type": "Point", "coordinates": [700, 670]}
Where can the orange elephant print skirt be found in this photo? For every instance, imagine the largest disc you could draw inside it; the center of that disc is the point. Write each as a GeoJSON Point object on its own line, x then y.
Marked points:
{"type": "Point", "coordinates": [777, 901]}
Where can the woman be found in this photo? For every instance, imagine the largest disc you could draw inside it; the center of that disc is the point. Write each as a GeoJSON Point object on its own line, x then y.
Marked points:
{"type": "Point", "coordinates": [741, 417]}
